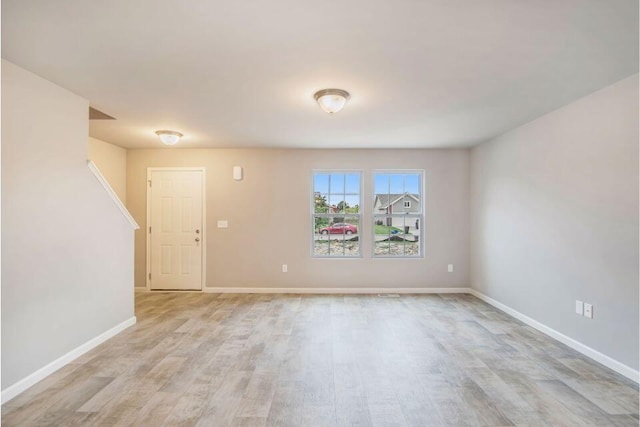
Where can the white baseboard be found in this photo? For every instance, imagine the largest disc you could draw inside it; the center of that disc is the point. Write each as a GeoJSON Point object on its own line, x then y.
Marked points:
{"type": "Point", "coordinates": [337, 290]}
{"type": "Point", "coordinates": [17, 388]}
{"type": "Point", "coordinates": [607, 361]}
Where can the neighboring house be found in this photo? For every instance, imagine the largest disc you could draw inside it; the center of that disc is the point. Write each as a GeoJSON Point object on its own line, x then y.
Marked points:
{"type": "Point", "coordinates": [397, 204]}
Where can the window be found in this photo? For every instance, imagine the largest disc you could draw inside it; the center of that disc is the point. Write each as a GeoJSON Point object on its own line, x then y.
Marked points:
{"type": "Point", "coordinates": [397, 214]}
{"type": "Point", "coordinates": [336, 213]}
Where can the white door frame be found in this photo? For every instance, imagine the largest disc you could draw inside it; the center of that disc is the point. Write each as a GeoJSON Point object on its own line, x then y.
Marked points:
{"type": "Point", "coordinates": [204, 223]}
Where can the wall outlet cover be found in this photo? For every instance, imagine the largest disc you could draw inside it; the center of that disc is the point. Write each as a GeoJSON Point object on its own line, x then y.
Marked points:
{"type": "Point", "coordinates": [223, 223]}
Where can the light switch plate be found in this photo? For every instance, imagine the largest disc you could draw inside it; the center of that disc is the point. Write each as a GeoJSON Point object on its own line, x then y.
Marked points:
{"type": "Point", "coordinates": [579, 307]}
{"type": "Point", "coordinates": [450, 268]}
{"type": "Point", "coordinates": [285, 268]}
{"type": "Point", "coordinates": [223, 223]}
{"type": "Point", "coordinates": [588, 310]}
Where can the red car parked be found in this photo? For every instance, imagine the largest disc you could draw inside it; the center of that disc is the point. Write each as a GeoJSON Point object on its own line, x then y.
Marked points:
{"type": "Point", "coordinates": [339, 228]}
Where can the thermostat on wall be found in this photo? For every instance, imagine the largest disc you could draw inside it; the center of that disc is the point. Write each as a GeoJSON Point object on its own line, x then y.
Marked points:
{"type": "Point", "coordinates": [237, 173]}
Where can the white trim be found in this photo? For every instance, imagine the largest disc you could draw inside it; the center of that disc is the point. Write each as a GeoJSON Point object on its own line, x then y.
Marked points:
{"type": "Point", "coordinates": [96, 172]}
{"type": "Point", "coordinates": [147, 238]}
{"type": "Point", "coordinates": [17, 388]}
{"type": "Point", "coordinates": [225, 290]}
{"type": "Point", "coordinates": [203, 279]}
{"type": "Point", "coordinates": [607, 361]}
{"type": "Point", "coordinates": [171, 291]}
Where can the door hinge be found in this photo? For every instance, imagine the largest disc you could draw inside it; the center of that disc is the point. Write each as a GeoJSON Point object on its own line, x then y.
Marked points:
{"type": "Point", "coordinates": [149, 276]}
{"type": "Point", "coordinates": [149, 229]}
{"type": "Point", "coordinates": [149, 181]}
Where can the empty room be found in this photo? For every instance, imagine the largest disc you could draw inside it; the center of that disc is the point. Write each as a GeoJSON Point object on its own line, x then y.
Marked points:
{"type": "Point", "coordinates": [320, 213]}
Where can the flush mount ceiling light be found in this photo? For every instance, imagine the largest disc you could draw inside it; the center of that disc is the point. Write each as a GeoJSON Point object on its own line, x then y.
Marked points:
{"type": "Point", "coordinates": [169, 137]}
{"type": "Point", "coordinates": [332, 100]}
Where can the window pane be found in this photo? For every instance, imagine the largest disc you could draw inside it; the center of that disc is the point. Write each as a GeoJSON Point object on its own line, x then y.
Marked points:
{"type": "Point", "coordinates": [351, 225]}
{"type": "Point", "coordinates": [336, 245]}
{"type": "Point", "coordinates": [397, 236]}
{"type": "Point", "coordinates": [380, 204]}
{"type": "Point", "coordinates": [321, 203]}
{"type": "Point", "coordinates": [352, 236]}
{"type": "Point", "coordinates": [380, 183]}
{"type": "Point", "coordinates": [381, 248]}
{"type": "Point", "coordinates": [380, 193]}
{"type": "Point", "coordinates": [412, 248]}
{"type": "Point", "coordinates": [412, 183]}
{"type": "Point", "coordinates": [412, 237]}
{"type": "Point", "coordinates": [321, 183]}
{"type": "Point", "coordinates": [352, 183]}
{"type": "Point", "coordinates": [381, 234]}
{"type": "Point", "coordinates": [336, 202]}
{"type": "Point", "coordinates": [320, 241]}
{"type": "Point", "coordinates": [412, 187]}
{"type": "Point", "coordinates": [352, 204]}
{"type": "Point", "coordinates": [320, 223]}
{"type": "Point", "coordinates": [337, 183]}
{"type": "Point", "coordinates": [396, 184]}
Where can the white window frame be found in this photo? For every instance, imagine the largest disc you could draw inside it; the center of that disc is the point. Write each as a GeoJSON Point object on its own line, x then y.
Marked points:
{"type": "Point", "coordinates": [407, 204]}
{"type": "Point", "coordinates": [419, 215]}
{"type": "Point", "coordinates": [314, 214]}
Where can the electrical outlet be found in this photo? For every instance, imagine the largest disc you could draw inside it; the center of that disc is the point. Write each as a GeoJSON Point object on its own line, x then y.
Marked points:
{"type": "Point", "coordinates": [588, 310]}
{"type": "Point", "coordinates": [285, 268]}
{"type": "Point", "coordinates": [579, 307]}
{"type": "Point", "coordinates": [450, 268]}
{"type": "Point", "coordinates": [223, 223]}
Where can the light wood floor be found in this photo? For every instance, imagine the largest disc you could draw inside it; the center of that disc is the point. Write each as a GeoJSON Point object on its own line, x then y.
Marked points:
{"type": "Point", "coordinates": [291, 360]}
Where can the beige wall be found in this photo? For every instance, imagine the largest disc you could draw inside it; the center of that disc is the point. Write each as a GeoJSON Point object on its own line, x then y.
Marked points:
{"type": "Point", "coordinates": [67, 250]}
{"type": "Point", "coordinates": [555, 219]}
{"type": "Point", "coordinates": [112, 162]}
{"type": "Point", "coordinates": [269, 217]}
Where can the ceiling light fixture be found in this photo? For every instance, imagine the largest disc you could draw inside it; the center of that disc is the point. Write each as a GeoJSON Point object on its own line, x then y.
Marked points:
{"type": "Point", "coordinates": [169, 137]}
{"type": "Point", "coordinates": [332, 100]}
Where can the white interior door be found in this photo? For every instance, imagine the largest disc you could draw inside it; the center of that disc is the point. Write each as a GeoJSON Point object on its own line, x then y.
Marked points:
{"type": "Point", "coordinates": [176, 231]}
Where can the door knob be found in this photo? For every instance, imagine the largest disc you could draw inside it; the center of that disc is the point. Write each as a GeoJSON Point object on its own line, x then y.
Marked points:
{"type": "Point", "coordinates": [197, 239]}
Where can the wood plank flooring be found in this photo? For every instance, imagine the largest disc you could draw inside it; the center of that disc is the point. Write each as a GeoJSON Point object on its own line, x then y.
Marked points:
{"type": "Point", "coordinates": [316, 360]}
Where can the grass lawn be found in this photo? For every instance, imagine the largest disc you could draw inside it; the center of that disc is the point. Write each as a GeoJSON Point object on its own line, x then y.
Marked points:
{"type": "Point", "coordinates": [383, 229]}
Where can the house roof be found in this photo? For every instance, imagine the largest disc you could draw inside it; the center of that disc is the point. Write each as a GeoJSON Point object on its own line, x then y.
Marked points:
{"type": "Point", "coordinates": [390, 199]}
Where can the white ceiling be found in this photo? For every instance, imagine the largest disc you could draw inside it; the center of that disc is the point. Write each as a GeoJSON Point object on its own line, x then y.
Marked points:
{"type": "Point", "coordinates": [422, 73]}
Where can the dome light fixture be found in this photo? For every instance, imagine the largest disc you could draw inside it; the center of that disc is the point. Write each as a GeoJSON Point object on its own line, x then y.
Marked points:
{"type": "Point", "coordinates": [169, 137]}
{"type": "Point", "coordinates": [332, 100]}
